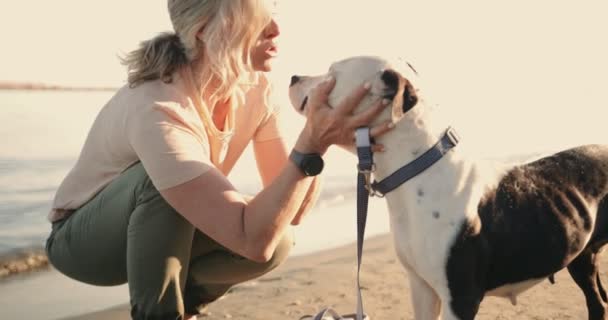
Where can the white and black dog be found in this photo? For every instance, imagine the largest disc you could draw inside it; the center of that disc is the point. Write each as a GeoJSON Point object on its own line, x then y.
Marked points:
{"type": "Point", "coordinates": [464, 228]}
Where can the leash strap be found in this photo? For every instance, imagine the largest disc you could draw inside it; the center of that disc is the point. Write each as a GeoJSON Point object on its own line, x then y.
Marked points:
{"type": "Point", "coordinates": [365, 166]}
{"type": "Point", "coordinates": [449, 140]}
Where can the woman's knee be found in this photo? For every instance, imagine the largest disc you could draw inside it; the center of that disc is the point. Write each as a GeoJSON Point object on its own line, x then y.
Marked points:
{"type": "Point", "coordinates": [281, 252]}
{"type": "Point", "coordinates": [225, 267]}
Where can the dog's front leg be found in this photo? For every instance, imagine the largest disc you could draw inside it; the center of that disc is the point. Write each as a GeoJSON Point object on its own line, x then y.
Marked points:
{"type": "Point", "coordinates": [427, 305]}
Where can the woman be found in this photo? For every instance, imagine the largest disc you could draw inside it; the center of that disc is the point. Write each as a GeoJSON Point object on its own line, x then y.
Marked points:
{"type": "Point", "coordinates": [148, 201]}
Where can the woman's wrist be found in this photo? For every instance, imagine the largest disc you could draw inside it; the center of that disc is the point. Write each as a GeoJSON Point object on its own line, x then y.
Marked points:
{"type": "Point", "coordinates": [307, 144]}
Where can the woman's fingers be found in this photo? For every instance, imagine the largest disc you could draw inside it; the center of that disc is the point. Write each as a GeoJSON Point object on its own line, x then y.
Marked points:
{"type": "Point", "coordinates": [320, 94]}
{"type": "Point", "coordinates": [337, 126]}
{"type": "Point", "coordinates": [365, 117]}
{"type": "Point", "coordinates": [378, 148]}
{"type": "Point", "coordinates": [381, 129]}
{"type": "Point", "coordinates": [375, 132]}
{"type": "Point", "coordinates": [353, 99]}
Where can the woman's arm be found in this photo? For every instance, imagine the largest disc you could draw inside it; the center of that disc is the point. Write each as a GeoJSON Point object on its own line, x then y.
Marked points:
{"type": "Point", "coordinates": [270, 157]}
{"type": "Point", "coordinates": [253, 228]}
{"type": "Point", "coordinates": [309, 201]}
{"type": "Point", "coordinates": [249, 228]}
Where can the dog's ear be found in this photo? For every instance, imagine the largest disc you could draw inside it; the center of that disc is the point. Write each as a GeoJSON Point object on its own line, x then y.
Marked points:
{"type": "Point", "coordinates": [410, 99]}
{"type": "Point", "coordinates": [400, 91]}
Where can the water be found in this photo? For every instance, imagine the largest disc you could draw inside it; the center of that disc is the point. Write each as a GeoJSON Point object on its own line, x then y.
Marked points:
{"type": "Point", "coordinates": [26, 187]}
{"type": "Point", "coordinates": [39, 142]}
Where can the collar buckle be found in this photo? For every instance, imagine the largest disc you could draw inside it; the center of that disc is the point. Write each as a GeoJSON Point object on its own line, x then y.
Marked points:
{"type": "Point", "coordinates": [453, 136]}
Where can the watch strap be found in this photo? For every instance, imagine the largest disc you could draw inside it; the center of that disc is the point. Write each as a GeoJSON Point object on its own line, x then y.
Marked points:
{"type": "Point", "coordinates": [299, 159]}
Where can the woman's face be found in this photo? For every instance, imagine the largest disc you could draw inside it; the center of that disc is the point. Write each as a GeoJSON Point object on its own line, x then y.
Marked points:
{"type": "Point", "coordinates": [266, 48]}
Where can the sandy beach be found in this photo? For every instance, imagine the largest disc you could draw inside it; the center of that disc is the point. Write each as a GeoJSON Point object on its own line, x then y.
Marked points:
{"type": "Point", "coordinates": [306, 284]}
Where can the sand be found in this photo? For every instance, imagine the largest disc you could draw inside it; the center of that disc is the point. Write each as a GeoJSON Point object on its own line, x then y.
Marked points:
{"type": "Point", "coordinates": [306, 284]}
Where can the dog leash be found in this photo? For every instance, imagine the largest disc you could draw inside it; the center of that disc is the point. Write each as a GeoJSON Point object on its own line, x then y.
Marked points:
{"type": "Point", "coordinates": [365, 167]}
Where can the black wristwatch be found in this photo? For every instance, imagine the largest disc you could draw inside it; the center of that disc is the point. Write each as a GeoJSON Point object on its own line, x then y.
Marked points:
{"type": "Point", "coordinates": [311, 164]}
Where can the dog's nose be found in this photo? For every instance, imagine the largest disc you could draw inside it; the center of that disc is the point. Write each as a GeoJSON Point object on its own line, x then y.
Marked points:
{"type": "Point", "coordinates": [294, 80]}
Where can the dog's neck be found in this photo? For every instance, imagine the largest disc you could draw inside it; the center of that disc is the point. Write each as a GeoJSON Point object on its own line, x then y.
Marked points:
{"type": "Point", "coordinates": [411, 137]}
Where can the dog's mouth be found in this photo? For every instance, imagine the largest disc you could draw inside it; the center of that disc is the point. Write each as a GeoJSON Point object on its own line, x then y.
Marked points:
{"type": "Point", "coordinates": [304, 103]}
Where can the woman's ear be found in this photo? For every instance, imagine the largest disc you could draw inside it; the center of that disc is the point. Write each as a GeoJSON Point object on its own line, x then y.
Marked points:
{"type": "Point", "coordinates": [199, 34]}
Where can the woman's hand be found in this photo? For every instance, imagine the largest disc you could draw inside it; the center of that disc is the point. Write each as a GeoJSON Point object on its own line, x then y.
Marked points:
{"type": "Point", "coordinates": [326, 125]}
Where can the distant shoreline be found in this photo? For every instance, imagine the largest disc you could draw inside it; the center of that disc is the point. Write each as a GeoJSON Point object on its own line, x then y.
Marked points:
{"type": "Point", "coordinates": [5, 85]}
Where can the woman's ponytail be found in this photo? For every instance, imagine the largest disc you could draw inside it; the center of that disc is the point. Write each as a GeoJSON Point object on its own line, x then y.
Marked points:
{"type": "Point", "coordinates": [157, 58]}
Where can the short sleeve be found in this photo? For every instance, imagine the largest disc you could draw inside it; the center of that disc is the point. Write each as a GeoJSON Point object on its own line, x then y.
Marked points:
{"type": "Point", "coordinates": [170, 151]}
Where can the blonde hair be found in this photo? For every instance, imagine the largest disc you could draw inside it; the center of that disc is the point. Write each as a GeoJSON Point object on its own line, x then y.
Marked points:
{"type": "Point", "coordinates": [230, 29]}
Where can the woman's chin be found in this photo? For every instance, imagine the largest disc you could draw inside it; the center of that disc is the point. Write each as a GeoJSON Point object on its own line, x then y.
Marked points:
{"type": "Point", "coordinates": [266, 66]}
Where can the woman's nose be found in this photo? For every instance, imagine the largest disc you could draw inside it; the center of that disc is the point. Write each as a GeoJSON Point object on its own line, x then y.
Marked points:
{"type": "Point", "coordinates": [272, 30]}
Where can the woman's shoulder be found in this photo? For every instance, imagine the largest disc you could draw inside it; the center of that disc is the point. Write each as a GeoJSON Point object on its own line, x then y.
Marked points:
{"type": "Point", "coordinates": [155, 100]}
{"type": "Point", "coordinates": [154, 93]}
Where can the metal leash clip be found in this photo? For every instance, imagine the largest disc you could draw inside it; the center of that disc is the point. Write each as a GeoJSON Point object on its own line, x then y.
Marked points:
{"type": "Point", "coordinates": [369, 185]}
{"type": "Point", "coordinates": [366, 164]}
{"type": "Point", "coordinates": [367, 173]}
{"type": "Point", "coordinates": [376, 193]}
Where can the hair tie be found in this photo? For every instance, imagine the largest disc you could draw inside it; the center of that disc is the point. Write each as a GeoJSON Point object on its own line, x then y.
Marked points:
{"type": "Point", "coordinates": [176, 41]}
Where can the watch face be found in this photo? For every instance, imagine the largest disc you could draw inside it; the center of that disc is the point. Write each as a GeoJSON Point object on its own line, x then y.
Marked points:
{"type": "Point", "coordinates": [312, 165]}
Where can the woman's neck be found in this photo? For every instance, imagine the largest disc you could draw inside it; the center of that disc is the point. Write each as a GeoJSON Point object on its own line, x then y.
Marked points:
{"type": "Point", "coordinates": [218, 108]}
{"type": "Point", "coordinates": [219, 113]}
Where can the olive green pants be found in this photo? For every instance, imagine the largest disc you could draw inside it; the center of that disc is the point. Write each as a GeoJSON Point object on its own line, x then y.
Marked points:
{"type": "Point", "coordinates": [129, 233]}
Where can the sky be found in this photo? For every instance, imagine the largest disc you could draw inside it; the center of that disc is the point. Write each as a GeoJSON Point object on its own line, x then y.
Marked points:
{"type": "Point", "coordinates": [511, 73]}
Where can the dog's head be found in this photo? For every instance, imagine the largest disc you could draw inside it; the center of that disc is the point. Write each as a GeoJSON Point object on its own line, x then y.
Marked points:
{"type": "Point", "coordinates": [387, 81]}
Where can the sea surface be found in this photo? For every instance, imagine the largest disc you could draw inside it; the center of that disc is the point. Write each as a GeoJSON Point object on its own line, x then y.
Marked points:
{"type": "Point", "coordinates": [40, 136]}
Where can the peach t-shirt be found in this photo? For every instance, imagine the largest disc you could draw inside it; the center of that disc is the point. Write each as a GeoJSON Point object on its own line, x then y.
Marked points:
{"type": "Point", "coordinates": [164, 126]}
